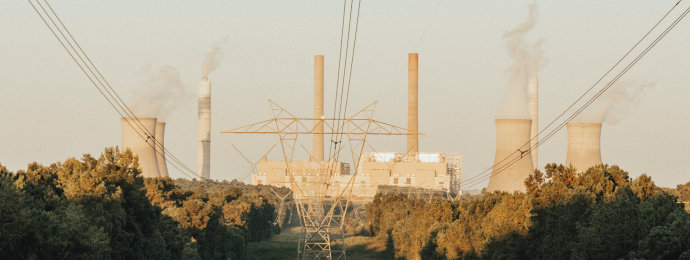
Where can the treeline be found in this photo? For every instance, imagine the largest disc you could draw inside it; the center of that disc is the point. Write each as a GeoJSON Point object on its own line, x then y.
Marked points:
{"type": "Point", "coordinates": [599, 214]}
{"type": "Point", "coordinates": [101, 208]}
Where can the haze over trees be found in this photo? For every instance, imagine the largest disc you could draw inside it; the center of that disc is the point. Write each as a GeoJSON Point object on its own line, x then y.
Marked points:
{"type": "Point", "coordinates": [599, 214]}
{"type": "Point", "coordinates": [101, 208]}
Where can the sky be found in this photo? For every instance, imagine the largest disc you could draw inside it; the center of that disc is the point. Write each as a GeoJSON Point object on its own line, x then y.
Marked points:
{"type": "Point", "coordinates": [51, 112]}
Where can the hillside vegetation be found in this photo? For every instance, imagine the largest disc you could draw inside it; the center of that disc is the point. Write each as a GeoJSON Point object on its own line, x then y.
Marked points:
{"type": "Point", "coordinates": [599, 214]}
{"type": "Point", "coordinates": [101, 208]}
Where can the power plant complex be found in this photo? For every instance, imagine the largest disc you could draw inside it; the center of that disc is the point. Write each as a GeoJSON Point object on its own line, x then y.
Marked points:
{"type": "Point", "coordinates": [432, 171]}
{"type": "Point", "coordinates": [515, 158]}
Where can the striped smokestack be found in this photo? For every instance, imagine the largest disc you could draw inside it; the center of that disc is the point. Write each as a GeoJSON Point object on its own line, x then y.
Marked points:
{"type": "Point", "coordinates": [204, 130]}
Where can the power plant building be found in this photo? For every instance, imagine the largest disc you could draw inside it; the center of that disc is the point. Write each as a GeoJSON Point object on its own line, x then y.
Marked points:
{"type": "Point", "coordinates": [410, 169]}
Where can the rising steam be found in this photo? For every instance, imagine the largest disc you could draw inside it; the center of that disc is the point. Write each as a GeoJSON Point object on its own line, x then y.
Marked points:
{"type": "Point", "coordinates": [160, 93]}
{"type": "Point", "coordinates": [615, 104]}
{"type": "Point", "coordinates": [527, 61]}
{"type": "Point", "coordinates": [212, 60]}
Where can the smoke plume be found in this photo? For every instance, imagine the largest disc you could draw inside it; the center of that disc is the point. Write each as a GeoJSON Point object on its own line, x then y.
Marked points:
{"type": "Point", "coordinates": [615, 104]}
{"type": "Point", "coordinates": [212, 60]}
{"type": "Point", "coordinates": [161, 92]}
{"type": "Point", "coordinates": [527, 61]}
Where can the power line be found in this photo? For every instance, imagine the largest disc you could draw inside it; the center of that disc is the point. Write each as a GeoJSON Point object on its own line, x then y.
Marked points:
{"type": "Point", "coordinates": [98, 80]}
{"type": "Point", "coordinates": [593, 98]}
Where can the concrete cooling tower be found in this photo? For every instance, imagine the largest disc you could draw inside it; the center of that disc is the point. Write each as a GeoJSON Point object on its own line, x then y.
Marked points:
{"type": "Point", "coordinates": [511, 136]}
{"type": "Point", "coordinates": [160, 153]}
{"type": "Point", "coordinates": [204, 130]}
{"type": "Point", "coordinates": [141, 147]}
{"type": "Point", "coordinates": [583, 145]}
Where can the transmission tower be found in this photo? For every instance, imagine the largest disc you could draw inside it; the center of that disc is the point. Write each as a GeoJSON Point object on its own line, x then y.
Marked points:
{"type": "Point", "coordinates": [322, 217]}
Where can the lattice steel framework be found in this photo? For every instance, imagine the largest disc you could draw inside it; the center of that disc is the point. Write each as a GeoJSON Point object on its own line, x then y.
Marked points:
{"type": "Point", "coordinates": [322, 218]}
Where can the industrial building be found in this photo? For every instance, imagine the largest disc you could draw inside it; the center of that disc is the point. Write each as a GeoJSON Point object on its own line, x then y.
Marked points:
{"type": "Point", "coordinates": [583, 145]}
{"type": "Point", "coordinates": [434, 171]}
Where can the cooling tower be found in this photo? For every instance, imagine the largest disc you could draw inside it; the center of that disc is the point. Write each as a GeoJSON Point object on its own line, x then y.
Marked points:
{"type": "Point", "coordinates": [412, 101]}
{"type": "Point", "coordinates": [204, 130]}
{"type": "Point", "coordinates": [142, 147]}
{"type": "Point", "coordinates": [317, 150]}
{"type": "Point", "coordinates": [160, 153]}
{"type": "Point", "coordinates": [512, 135]}
{"type": "Point", "coordinates": [533, 86]}
{"type": "Point", "coordinates": [583, 145]}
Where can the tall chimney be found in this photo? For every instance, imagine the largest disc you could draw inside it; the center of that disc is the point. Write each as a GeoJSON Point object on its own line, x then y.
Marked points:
{"type": "Point", "coordinates": [412, 101]}
{"type": "Point", "coordinates": [142, 147]}
{"type": "Point", "coordinates": [317, 151]}
{"type": "Point", "coordinates": [583, 145]}
{"type": "Point", "coordinates": [511, 137]}
{"type": "Point", "coordinates": [160, 153]}
{"type": "Point", "coordinates": [204, 130]}
{"type": "Point", "coordinates": [534, 114]}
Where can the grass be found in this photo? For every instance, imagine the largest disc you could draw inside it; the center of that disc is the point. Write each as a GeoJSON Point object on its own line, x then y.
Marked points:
{"type": "Point", "coordinates": [284, 246]}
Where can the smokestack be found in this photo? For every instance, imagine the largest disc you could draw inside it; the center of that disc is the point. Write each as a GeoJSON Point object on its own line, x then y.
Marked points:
{"type": "Point", "coordinates": [534, 114]}
{"type": "Point", "coordinates": [204, 130]}
{"type": "Point", "coordinates": [412, 101]}
{"type": "Point", "coordinates": [511, 136]}
{"type": "Point", "coordinates": [144, 148]}
{"type": "Point", "coordinates": [317, 151]}
{"type": "Point", "coordinates": [160, 153]}
{"type": "Point", "coordinates": [583, 145]}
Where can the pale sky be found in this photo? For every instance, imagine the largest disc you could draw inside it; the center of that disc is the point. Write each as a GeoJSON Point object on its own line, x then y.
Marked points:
{"type": "Point", "coordinates": [50, 111]}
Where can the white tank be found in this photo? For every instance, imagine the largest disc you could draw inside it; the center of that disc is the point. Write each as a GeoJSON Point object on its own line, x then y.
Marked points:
{"type": "Point", "coordinates": [512, 135]}
{"type": "Point", "coordinates": [160, 153]}
{"type": "Point", "coordinates": [204, 130]}
{"type": "Point", "coordinates": [142, 147]}
{"type": "Point", "coordinates": [584, 148]}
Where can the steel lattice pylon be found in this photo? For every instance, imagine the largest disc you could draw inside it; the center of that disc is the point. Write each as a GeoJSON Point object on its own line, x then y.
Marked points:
{"type": "Point", "coordinates": [322, 218]}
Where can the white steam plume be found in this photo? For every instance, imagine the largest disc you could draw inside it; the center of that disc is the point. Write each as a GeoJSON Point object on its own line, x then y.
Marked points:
{"type": "Point", "coordinates": [161, 92]}
{"type": "Point", "coordinates": [527, 61]}
{"type": "Point", "coordinates": [212, 60]}
{"type": "Point", "coordinates": [615, 104]}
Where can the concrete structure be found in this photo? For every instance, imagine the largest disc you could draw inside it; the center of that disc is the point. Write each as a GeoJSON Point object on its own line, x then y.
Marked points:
{"type": "Point", "coordinates": [317, 151]}
{"type": "Point", "coordinates": [160, 153]}
{"type": "Point", "coordinates": [310, 176]}
{"type": "Point", "coordinates": [432, 171]}
{"type": "Point", "coordinates": [142, 147]}
{"type": "Point", "coordinates": [533, 89]}
{"type": "Point", "coordinates": [512, 135]}
{"type": "Point", "coordinates": [204, 130]}
{"type": "Point", "coordinates": [412, 103]}
{"type": "Point", "coordinates": [583, 145]}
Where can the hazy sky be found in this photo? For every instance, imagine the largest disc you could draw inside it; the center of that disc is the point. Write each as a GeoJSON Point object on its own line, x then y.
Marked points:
{"type": "Point", "coordinates": [51, 112]}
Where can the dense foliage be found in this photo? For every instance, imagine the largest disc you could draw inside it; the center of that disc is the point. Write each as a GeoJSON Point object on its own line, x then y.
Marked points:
{"type": "Point", "coordinates": [101, 208]}
{"type": "Point", "coordinates": [599, 214]}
